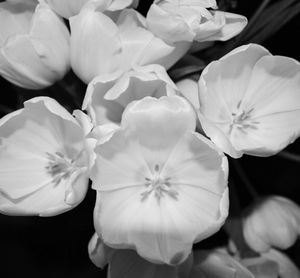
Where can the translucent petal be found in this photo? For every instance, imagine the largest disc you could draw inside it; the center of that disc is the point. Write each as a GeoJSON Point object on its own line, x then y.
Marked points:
{"type": "Point", "coordinates": [95, 43]}
{"type": "Point", "coordinates": [51, 40]}
{"type": "Point", "coordinates": [17, 17]}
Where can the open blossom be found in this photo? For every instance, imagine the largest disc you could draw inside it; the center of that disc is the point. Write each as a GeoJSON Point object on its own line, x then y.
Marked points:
{"type": "Point", "coordinates": [44, 159]}
{"type": "Point", "coordinates": [107, 96]}
{"type": "Point", "coordinates": [250, 101]}
{"type": "Point", "coordinates": [68, 8]}
{"type": "Point", "coordinates": [185, 20]}
{"type": "Point", "coordinates": [102, 45]}
{"type": "Point", "coordinates": [274, 221]}
{"type": "Point", "coordinates": [160, 185]}
{"type": "Point", "coordinates": [34, 44]}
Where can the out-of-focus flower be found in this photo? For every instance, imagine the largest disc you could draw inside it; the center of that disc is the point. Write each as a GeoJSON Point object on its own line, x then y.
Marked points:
{"type": "Point", "coordinates": [44, 159]}
{"type": "Point", "coordinates": [272, 264]}
{"type": "Point", "coordinates": [217, 264]}
{"type": "Point", "coordinates": [34, 44]}
{"type": "Point", "coordinates": [160, 185]}
{"type": "Point", "coordinates": [68, 8]}
{"type": "Point", "coordinates": [185, 20]}
{"type": "Point", "coordinates": [273, 221]}
{"type": "Point", "coordinates": [102, 45]}
{"type": "Point", "coordinates": [107, 96]}
{"type": "Point", "coordinates": [287, 269]}
{"type": "Point", "coordinates": [250, 101]}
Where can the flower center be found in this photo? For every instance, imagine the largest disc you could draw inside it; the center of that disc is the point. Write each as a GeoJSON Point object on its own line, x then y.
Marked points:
{"type": "Point", "coordinates": [242, 119]}
{"type": "Point", "coordinates": [60, 167]}
{"type": "Point", "coordinates": [158, 186]}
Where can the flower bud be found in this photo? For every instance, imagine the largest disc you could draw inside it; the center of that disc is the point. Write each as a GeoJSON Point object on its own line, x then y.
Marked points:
{"type": "Point", "coordinates": [35, 46]}
{"type": "Point", "coordinates": [274, 221]}
{"type": "Point", "coordinates": [102, 45]}
{"type": "Point", "coordinates": [68, 8]}
{"type": "Point", "coordinates": [188, 20]}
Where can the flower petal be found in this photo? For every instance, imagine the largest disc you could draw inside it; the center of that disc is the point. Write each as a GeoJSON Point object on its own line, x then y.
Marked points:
{"type": "Point", "coordinates": [97, 251]}
{"type": "Point", "coordinates": [107, 96]}
{"type": "Point", "coordinates": [126, 263]}
{"type": "Point", "coordinates": [95, 43]}
{"type": "Point", "coordinates": [189, 89]}
{"type": "Point", "coordinates": [222, 27]}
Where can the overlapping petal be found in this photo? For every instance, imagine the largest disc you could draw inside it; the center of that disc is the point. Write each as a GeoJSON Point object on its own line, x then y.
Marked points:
{"type": "Point", "coordinates": [107, 96]}
{"type": "Point", "coordinates": [163, 185]}
{"type": "Point", "coordinates": [101, 44]}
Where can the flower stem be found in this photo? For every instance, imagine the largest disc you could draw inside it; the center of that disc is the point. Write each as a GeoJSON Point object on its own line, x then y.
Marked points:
{"type": "Point", "coordinates": [244, 177]}
{"type": "Point", "coordinates": [289, 156]}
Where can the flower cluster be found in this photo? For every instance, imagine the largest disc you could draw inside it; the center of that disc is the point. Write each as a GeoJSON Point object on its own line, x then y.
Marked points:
{"type": "Point", "coordinates": [155, 151]}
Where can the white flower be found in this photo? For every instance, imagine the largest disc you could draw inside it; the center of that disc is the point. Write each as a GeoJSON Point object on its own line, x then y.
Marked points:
{"type": "Point", "coordinates": [217, 264]}
{"type": "Point", "coordinates": [34, 44]}
{"type": "Point", "coordinates": [250, 101]}
{"type": "Point", "coordinates": [102, 45]}
{"type": "Point", "coordinates": [44, 159]}
{"type": "Point", "coordinates": [185, 20]}
{"type": "Point", "coordinates": [107, 96]}
{"type": "Point", "coordinates": [68, 8]}
{"type": "Point", "coordinates": [273, 264]}
{"type": "Point", "coordinates": [160, 185]}
{"type": "Point", "coordinates": [273, 221]}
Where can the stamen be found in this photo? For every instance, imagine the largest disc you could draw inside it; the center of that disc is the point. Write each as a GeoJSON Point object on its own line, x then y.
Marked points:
{"type": "Point", "coordinates": [60, 167]}
{"type": "Point", "coordinates": [242, 120]}
{"type": "Point", "coordinates": [159, 186]}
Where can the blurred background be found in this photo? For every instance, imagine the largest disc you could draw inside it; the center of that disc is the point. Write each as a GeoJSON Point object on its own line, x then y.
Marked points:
{"type": "Point", "coordinates": [57, 247]}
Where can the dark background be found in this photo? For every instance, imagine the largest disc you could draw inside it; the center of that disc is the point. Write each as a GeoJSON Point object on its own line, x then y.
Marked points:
{"type": "Point", "coordinates": [57, 246]}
